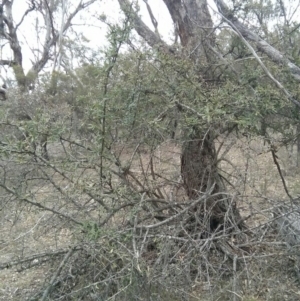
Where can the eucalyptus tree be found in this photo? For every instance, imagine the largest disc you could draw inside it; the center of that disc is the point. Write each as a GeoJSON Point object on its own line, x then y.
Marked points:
{"type": "Point", "coordinates": [52, 20]}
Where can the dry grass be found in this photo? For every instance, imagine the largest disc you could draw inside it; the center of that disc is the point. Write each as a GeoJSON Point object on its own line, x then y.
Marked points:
{"type": "Point", "coordinates": [256, 185]}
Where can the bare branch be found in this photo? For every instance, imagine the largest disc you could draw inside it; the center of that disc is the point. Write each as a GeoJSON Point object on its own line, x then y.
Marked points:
{"type": "Point", "coordinates": [275, 159]}
{"type": "Point", "coordinates": [266, 70]}
{"type": "Point", "coordinates": [142, 29]}
{"type": "Point", "coordinates": [205, 196]}
{"type": "Point", "coordinates": [294, 12]}
{"type": "Point", "coordinates": [283, 11]}
{"type": "Point", "coordinates": [12, 34]}
{"type": "Point", "coordinates": [7, 62]}
{"type": "Point", "coordinates": [27, 200]}
{"type": "Point", "coordinates": [153, 20]}
{"type": "Point", "coordinates": [62, 264]}
{"type": "Point", "coordinates": [275, 55]}
{"type": "Point", "coordinates": [30, 9]}
{"type": "Point", "coordinates": [58, 56]}
{"type": "Point", "coordinates": [38, 256]}
{"type": "Point", "coordinates": [49, 43]}
{"type": "Point", "coordinates": [88, 3]}
{"type": "Point", "coordinates": [50, 14]}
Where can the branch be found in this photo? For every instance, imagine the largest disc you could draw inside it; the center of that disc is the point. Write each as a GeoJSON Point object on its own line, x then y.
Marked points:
{"type": "Point", "coordinates": [266, 70]}
{"type": "Point", "coordinates": [275, 55]}
{"type": "Point", "coordinates": [62, 264]}
{"type": "Point", "coordinates": [30, 9]}
{"type": "Point", "coordinates": [26, 200]}
{"type": "Point", "coordinates": [88, 3]}
{"type": "Point", "coordinates": [142, 29]}
{"type": "Point", "coordinates": [274, 156]}
{"type": "Point", "coordinates": [50, 12]}
{"type": "Point", "coordinates": [84, 189]}
{"type": "Point", "coordinates": [30, 258]}
{"type": "Point", "coordinates": [39, 65]}
{"type": "Point", "coordinates": [7, 62]}
{"type": "Point", "coordinates": [79, 7]}
{"type": "Point", "coordinates": [153, 20]}
{"type": "Point", "coordinates": [12, 34]}
{"type": "Point", "coordinates": [58, 55]}
{"type": "Point", "coordinates": [205, 196]}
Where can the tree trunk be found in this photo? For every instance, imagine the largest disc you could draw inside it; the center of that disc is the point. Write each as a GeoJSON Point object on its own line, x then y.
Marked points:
{"type": "Point", "coordinates": [200, 175]}
{"type": "Point", "coordinates": [199, 157]}
{"type": "Point", "coordinates": [199, 160]}
{"type": "Point", "coordinates": [198, 164]}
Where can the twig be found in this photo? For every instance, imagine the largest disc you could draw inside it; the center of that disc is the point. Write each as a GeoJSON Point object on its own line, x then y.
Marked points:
{"type": "Point", "coordinates": [204, 197]}
{"type": "Point", "coordinates": [235, 295]}
{"type": "Point", "coordinates": [30, 230]}
{"type": "Point", "coordinates": [273, 152]}
{"type": "Point", "coordinates": [62, 264]}
{"type": "Point", "coordinates": [27, 200]}
{"type": "Point", "coordinates": [234, 278]}
{"type": "Point", "coordinates": [7, 265]}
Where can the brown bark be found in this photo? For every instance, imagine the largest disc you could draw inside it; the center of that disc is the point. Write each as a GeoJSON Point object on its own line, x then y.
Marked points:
{"type": "Point", "coordinates": [199, 165]}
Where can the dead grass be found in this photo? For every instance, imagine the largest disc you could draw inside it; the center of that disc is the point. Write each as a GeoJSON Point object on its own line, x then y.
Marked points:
{"type": "Point", "coordinates": [255, 182]}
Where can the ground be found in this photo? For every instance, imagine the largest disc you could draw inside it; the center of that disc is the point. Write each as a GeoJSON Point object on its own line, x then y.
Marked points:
{"type": "Point", "coordinates": [253, 179]}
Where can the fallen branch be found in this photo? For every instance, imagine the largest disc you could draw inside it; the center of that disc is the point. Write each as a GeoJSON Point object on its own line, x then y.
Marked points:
{"type": "Point", "coordinates": [7, 265]}
{"type": "Point", "coordinates": [62, 264]}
